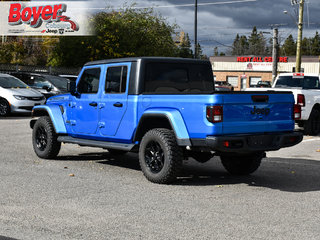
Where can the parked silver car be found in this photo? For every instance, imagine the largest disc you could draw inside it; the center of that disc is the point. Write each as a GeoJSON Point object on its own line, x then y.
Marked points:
{"type": "Point", "coordinates": [16, 96]}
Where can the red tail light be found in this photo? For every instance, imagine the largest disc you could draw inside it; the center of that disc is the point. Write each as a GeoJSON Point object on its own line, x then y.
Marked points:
{"type": "Point", "coordinates": [301, 100]}
{"type": "Point", "coordinates": [297, 112]}
{"type": "Point", "coordinates": [215, 114]}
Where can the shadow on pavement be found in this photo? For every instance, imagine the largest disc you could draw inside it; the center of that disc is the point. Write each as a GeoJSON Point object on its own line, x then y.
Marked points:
{"type": "Point", "coordinates": [292, 175]}
{"type": "Point", "coordinates": [17, 116]}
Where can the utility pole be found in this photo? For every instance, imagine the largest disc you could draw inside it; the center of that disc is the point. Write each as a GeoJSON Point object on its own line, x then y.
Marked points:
{"type": "Point", "coordinates": [275, 54]}
{"type": "Point", "coordinates": [300, 25]}
{"type": "Point", "coordinates": [196, 29]}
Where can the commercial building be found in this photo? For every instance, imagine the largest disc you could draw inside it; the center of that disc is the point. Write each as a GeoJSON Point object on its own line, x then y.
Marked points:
{"type": "Point", "coordinates": [246, 71]}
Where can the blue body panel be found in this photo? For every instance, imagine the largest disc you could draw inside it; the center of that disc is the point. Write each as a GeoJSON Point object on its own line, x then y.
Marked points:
{"type": "Point", "coordinates": [174, 117]}
{"type": "Point", "coordinates": [55, 115]}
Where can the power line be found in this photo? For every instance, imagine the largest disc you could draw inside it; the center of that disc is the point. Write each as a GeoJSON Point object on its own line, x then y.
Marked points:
{"type": "Point", "coordinates": [179, 5]}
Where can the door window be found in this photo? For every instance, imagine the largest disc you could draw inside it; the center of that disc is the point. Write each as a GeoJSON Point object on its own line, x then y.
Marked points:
{"type": "Point", "coordinates": [89, 81]}
{"type": "Point", "coordinates": [116, 79]}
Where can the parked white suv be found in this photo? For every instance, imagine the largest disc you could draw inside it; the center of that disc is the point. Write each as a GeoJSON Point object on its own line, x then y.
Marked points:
{"type": "Point", "coordinates": [306, 90]}
{"type": "Point", "coordinates": [16, 96]}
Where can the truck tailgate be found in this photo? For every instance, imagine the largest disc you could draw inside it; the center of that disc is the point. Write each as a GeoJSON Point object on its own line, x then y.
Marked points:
{"type": "Point", "coordinates": [257, 112]}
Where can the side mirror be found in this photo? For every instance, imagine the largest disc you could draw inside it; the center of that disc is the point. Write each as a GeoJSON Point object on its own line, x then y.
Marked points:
{"type": "Point", "coordinates": [72, 88]}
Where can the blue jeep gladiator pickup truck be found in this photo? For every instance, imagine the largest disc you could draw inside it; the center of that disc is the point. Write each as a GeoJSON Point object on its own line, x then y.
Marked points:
{"type": "Point", "coordinates": [166, 109]}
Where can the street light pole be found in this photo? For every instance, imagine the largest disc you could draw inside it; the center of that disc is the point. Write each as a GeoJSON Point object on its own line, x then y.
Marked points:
{"type": "Point", "coordinates": [196, 29]}
{"type": "Point", "coordinates": [300, 25]}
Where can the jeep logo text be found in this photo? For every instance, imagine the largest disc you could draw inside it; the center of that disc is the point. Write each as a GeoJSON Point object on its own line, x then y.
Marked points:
{"type": "Point", "coordinates": [260, 111]}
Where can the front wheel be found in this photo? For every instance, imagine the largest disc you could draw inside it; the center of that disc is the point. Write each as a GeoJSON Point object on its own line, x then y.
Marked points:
{"type": "Point", "coordinates": [44, 139]}
{"type": "Point", "coordinates": [4, 108]}
{"type": "Point", "coordinates": [242, 164]}
{"type": "Point", "coordinates": [160, 157]}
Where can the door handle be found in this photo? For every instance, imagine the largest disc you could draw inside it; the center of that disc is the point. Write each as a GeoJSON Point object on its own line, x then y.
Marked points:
{"type": "Point", "coordinates": [118, 104]}
{"type": "Point", "coordinates": [93, 104]}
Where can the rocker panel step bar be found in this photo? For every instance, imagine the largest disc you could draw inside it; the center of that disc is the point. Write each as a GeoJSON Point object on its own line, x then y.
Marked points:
{"type": "Point", "coordinates": [94, 143]}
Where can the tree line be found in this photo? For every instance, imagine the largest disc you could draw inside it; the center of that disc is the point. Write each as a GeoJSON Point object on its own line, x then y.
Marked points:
{"type": "Point", "coordinates": [258, 44]}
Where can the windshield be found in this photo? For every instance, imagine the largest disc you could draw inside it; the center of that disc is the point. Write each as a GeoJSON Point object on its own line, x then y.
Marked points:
{"type": "Point", "coordinates": [11, 82]}
{"type": "Point", "coordinates": [39, 82]}
{"type": "Point", "coordinates": [307, 82]}
{"type": "Point", "coordinates": [59, 82]}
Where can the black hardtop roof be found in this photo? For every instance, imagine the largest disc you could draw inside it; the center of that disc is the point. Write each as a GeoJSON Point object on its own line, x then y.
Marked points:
{"type": "Point", "coordinates": [149, 59]}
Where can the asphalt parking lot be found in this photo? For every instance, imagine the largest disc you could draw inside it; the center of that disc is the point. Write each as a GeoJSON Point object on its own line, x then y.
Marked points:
{"type": "Point", "coordinates": [89, 194]}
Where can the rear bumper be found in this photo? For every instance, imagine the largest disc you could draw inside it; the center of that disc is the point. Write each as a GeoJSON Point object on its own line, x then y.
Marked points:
{"type": "Point", "coordinates": [249, 143]}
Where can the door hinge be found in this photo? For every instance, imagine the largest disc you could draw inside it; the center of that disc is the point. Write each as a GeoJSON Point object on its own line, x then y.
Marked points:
{"type": "Point", "coordinates": [72, 104]}
{"type": "Point", "coordinates": [71, 122]}
{"type": "Point", "coordinates": [102, 105]}
{"type": "Point", "coordinates": [101, 124]}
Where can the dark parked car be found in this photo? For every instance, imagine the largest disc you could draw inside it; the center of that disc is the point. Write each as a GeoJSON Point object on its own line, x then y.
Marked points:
{"type": "Point", "coordinates": [264, 84]}
{"type": "Point", "coordinates": [48, 85]}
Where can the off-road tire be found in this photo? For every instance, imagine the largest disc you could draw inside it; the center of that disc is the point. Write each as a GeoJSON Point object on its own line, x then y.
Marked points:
{"type": "Point", "coordinates": [242, 164]}
{"type": "Point", "coordinates": [4, 108]}
{"type": "Point", "coordinates": [312, 125]}
{"type": "Point", "coordinates": [160, 156]}
{"type": "Point", "coordinates": [201, 157]}
{"type": "Point", "coordinates": [44, 139]}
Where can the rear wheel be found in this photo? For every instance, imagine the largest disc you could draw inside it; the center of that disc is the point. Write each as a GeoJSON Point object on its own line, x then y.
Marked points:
{"type": "Point", "coordinates": [242, 164]}
{"type": "Point", "coordinates": [4, 108]}
{"type": "Point", "coordinates": [312, 125]}
{"type": "Point", "coordinates": [160, 157]}
{"type": "Point", "coordinates": [44, 139]}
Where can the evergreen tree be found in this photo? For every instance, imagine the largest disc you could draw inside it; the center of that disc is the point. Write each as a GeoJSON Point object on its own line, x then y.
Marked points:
{"type": "Point", "coordinates": [257, 43]}
{"type": "Point", "coordinates": [240, 46]}
{"type": "Point", "coordinates": [185, 47]}
{"type": "Point", "coordinates": [289, 47]}
{"type": "Point", "coordinates": [315, 45]}
{"type": "Point", "coordinates": [306, 47]}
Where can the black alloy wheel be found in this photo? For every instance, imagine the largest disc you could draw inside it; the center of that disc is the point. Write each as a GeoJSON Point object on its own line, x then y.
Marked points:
{"type": "Point", "coordinates": [41, 138]}
{"type": "Point", "coordinates": [154, 157]}
{"type": "Point", "coordinates": [4, 108]}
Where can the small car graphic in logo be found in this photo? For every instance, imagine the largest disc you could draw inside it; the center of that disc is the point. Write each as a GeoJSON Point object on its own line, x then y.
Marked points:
{"type": "Point", "coordinates": [260, 111]}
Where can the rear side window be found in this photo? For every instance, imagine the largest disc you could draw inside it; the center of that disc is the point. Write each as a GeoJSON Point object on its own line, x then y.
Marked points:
{"type": "Point", "coordinates": [89, 81]}
{"type": "Point", "coordinates": [178, 78]}
{"type": "Point", "coordinates": [116, 79]}
{"type": "Point", "coordinates": [307, 82]}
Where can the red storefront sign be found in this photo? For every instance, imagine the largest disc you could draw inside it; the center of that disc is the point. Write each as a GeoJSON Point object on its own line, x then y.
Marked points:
{"type": "Point", "coordinates": [261, 59]}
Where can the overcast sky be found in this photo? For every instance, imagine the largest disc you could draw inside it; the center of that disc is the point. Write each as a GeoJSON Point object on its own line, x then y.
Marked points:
{"type": "Point", "coordinates": [219, 23]}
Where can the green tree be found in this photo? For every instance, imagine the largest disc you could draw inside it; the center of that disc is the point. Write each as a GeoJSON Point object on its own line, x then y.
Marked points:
{"type": "Point", "coordinates": [185, 50]}
{"type": "Point", "coordinates": [257, 43]}
{"type": "Point", "coordinates": [306, 46]}
{"type": "Point", "coordinates": [240, 46]}
{"type": "Point", "coordinates": [289, 47]}
{"type": "Point", "coordinates": [127, 33]}
{"type": "Point", "coordinates": [315, 45]}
